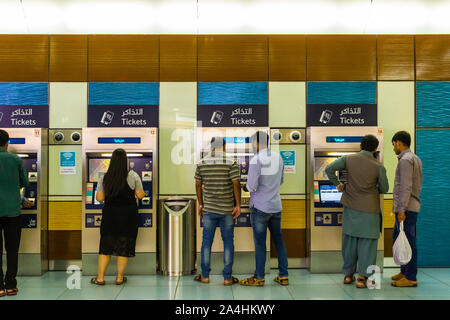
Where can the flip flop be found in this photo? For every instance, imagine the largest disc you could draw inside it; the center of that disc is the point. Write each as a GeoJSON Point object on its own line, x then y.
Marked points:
{"type": "Point", "coordinates": [199, 278]}
{"type": "Point", "coordinates": [349, 279]}
{"type": "Point", "coordinates": [2, 293]}
{"type": "Point", "coordinates": [253, 282]}
{"type": "Point", "coordinates": [231, 281]}
{"type": "Point", "coordinates": [284, 281]}
{"type": "Point", "coordinates": [12, 292]}
{"type": "Point", "coordinates": [124, 279]}
{"type": "Point", "coordinates": [96, 282]}
{"type": "Point", "coordinates": [361, 283]}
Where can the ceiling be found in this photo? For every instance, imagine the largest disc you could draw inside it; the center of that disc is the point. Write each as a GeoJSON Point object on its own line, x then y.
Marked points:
{"type": "Point", "coordinates": [224, 16]}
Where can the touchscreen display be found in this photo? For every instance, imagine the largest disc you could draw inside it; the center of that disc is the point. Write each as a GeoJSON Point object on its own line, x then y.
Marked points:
{"type": "Point", "coordinates": [329, 193]}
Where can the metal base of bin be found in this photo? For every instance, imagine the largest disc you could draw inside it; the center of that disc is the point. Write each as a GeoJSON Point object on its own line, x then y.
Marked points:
{"type": "Point", "coordinates": [168, 274]}
{"type": "Point", "coordinates": [141, 264]}
{"type": "Point", "coordinates": [244, 263]}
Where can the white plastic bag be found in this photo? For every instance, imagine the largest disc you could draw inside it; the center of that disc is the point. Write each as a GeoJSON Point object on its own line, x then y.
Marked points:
{"type": "Point", "coordinates": [402, 250]}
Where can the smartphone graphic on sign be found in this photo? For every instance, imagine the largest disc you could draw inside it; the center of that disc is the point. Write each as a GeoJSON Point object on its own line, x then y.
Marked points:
{"type": "Point", "coordinates": [217, 117]}
{"type": "Point", "coordinates": [107, 118]}
{"type": "Point", "coordinates": [326, 116]}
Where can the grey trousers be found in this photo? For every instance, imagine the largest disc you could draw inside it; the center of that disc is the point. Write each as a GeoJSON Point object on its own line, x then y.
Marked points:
{"type": "Point", "coordinates": [358, 252]}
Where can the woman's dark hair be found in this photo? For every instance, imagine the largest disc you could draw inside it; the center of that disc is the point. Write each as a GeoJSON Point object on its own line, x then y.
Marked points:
{"type": "Point", "coordinates": [369, 143]}
{"type": "Point", "coordinates": [116, 176]}
{"type": "Point", "coordinates": [402, 136]}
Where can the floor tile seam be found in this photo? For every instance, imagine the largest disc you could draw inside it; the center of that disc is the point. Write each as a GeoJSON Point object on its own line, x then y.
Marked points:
{"type": "Point", "coordinates": [118, 294]}
{"type": "Point", "coordinates": [62, 293]}
{"type": "Point", "coordinates": [437, 279]}
{"type": "Point", "coordinates": [174, 297]}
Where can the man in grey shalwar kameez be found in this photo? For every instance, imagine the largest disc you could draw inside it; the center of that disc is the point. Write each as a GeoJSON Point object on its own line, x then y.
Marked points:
{"type": "Point", "coordinates": [362, 220]}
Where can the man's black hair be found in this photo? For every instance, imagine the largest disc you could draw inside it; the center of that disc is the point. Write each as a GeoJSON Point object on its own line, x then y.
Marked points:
{"type": "Point", "coordinates": [261, 138]}
{"type": "Point", "coordinates": [402, 136]}
{"type": "Point", "coordinates": [4, 138]}
{"type": "Point", "coordinates": [217, 143]}
{"type": "Point", "coordinates": [369, 143]}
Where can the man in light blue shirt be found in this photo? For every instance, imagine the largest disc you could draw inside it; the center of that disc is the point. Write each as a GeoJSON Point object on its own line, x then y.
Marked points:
{"type": "Point", "coordinates": [265, 175]}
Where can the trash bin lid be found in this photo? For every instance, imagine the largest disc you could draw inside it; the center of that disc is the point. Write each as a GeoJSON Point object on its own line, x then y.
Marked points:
{"type": "Point", "coordinates": [176, 207]}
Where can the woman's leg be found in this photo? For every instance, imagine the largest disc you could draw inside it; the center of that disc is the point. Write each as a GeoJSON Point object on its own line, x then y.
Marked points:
{"type": "Point", "coordinates": [121, 265]}
{"type": "Point", "coordinates": [103, 261]}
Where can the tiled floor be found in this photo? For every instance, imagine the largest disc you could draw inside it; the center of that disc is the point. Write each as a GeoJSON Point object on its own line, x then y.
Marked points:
{"type": "Point", "coordinates": [433, 284]}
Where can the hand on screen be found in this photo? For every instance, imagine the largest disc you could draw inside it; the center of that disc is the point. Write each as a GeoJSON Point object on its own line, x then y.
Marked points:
{"type": "Point", "coordinates": [341, 187]}
{"type": "Point", "coordinates": [28, 204]}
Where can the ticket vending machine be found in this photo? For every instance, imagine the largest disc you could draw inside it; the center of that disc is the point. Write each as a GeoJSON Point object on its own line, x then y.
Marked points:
{"type": "Point", "coordinates": [238, 147]}
{"type": "Point", "coordinates": [141, 147]}
{"type": "Point", "coordinates": [324, 223]}
{"type": "Point", "coordinates": [31, 145]}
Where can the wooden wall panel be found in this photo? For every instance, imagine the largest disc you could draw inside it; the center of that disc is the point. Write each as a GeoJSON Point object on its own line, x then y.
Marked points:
{"type": "Point", "coordinates": [68, 58]}
{"type": "Point", "coordinates": [178, 58]}
{"type": "Point", "coordinates": [341, 57]}
{"type": "Point", "coordinates": [287, 58]}
{"type": "Point", "coordinates": [64, 245]}
{"type": "Point", "coordinates": [64, 215]}
{"type": "Point", "coordinates": [294, 241]}
{"type": "Point", "coordinates": [388, 216]}
{"type": "Point", "coordinates": [123, 58]}
{"type": "Point", "coordinates": [24, 58]}
{"type": "Point", "coordinates": [395, 54]}
{"type": "Point", "coordinates": [388, 242]}
{"type": "Point", "coordinates": [433, 57]}
{"type": "Point", "coordinates": [294, 214]}
{"type": "Point", "coordinates": [232, 58]}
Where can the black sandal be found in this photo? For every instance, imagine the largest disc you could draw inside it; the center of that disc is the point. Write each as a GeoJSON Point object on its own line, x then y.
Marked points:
{"type": "Point", "coordinates": [124, 279]}
{"type": "Point", "coordinates": [12, 292]}
{"type": "Point", "coordinates": [98, 283]}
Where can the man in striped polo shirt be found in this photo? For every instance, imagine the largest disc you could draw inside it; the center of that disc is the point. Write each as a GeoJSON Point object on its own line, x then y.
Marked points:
{"type": "Point", "coordinates": [217, 179]}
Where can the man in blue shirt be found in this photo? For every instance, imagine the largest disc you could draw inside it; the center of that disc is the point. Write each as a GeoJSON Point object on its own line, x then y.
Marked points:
{"type": "Point", "coordinates": [265, 175]}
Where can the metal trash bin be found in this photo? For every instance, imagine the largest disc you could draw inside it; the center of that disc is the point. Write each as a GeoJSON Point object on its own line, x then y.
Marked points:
{"type": "Point", "coordinates": [176, 237]}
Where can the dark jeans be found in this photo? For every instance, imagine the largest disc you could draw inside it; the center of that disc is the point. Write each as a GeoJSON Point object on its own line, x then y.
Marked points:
{"type": "Point", "coordinates": [10, 228]}
{"type": "Point", "coordinates": [409, 226]}
{"type": "Point", "coordinates": [226, 223]}
{"type": "Point", "coordinates": [260, 222]}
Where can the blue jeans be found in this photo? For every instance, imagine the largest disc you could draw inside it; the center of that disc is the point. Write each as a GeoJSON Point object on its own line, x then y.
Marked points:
{"type": "Point", "coordinates": [226, 223]}
{"type": "Point", "coordinates": [260, 221]}
{"type": "Point", "coordinates": [409, 226]}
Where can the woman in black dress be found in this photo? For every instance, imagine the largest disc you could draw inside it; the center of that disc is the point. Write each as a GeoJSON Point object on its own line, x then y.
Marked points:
{"type": "Point", "coordinates": [119, 188]}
